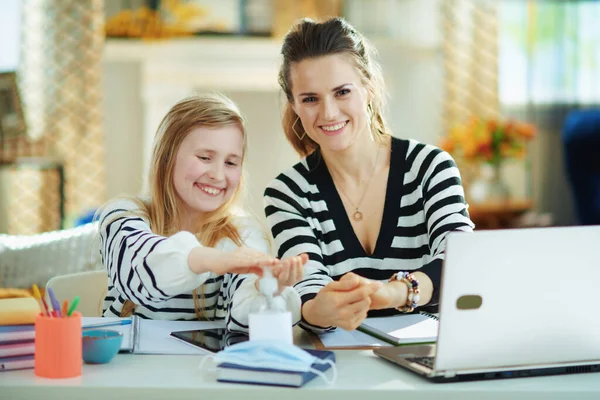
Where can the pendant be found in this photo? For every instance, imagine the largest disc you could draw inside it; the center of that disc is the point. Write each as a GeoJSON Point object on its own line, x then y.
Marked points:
{"type": "Point", "coordinates": [358, 216]}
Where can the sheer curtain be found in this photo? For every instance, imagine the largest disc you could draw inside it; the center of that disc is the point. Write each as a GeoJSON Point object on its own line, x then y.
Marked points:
{"type": "Point", "coordinates": [549, 64]}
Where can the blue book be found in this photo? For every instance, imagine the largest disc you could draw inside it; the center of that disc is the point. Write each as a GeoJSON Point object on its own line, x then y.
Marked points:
{"type": "Point", "coordinates": [233, 373]}
{"type": "Point", "coordinates": [16, 333]}
{"type": "Point", "coordinates": [20, 362]}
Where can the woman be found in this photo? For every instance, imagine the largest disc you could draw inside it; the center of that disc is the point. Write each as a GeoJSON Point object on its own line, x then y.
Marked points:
{"type": "Point", "coordinates": [179, 254]}
{"type": "Point", "coordinates": [372, 211]}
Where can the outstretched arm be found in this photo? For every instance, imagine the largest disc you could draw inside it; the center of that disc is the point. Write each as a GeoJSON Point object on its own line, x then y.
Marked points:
{"type": "Point", "coordinates": [325, 304]}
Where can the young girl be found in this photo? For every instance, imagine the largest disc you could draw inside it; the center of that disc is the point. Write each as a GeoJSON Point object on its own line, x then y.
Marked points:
{"type": "Point", "coordinates": [182, 253]}
{"type": "Point", "coordinates": [372, 210]}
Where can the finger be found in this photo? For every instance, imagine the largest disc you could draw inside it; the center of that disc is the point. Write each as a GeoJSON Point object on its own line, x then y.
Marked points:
{"type": "Point", "coordinates": [354, 277]}
{"type": "Point", "coordinates": [357, 320]}
{"type": "Point", "coordinates": [299, 272]}
{"type": "Point", "coordinates": [346, 283]}
{"type": "Point", "coordinates": [269, 261]}
{"type": "Point", "coordinates": [284, 277]}
{"type": "Point", "coordinates": [350, 276]}
{"type": "Point", "coordinates": [276, 271]}
{"type": "Point", "coordinates": [247, 270]}
{"type": "Point", "coordinates": [360, 293]}
{"type": "Point", "coordinates": [356, 313]}
{"type": "Point", "coordinates": [353, 322]}
{"type": "Point", "coordinates": [303, 258]}
{"type": "Point", "coordinates": [359, 307]}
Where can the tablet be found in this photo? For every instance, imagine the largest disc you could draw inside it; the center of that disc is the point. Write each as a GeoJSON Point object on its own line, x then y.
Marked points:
{"type": "Point", "coordinates": [211, 340]}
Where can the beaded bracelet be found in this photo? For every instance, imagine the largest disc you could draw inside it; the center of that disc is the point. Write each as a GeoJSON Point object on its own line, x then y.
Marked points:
{"type": "Point", "coordinates": [413, 290]}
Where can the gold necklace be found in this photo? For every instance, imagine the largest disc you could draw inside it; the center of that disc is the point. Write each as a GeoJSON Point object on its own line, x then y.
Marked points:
{"type": "Point", "coordinates": [358, 215]}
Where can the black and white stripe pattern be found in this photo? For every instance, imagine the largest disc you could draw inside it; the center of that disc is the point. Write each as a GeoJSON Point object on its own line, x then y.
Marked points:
{"type": "Point", "coordinates": [424, 201]}
{"type": "Point", "coordinates": [152, 271]}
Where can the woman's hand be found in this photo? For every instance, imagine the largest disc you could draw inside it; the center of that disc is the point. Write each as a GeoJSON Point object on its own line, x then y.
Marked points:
{"type": "Point", "coordinates": [344, 303]}
{"type": "Point", "coordinates": [394, 294]}
{"type": "Point", "coordinates": [288, 272]}
{"type": "Point", "coordinates": [389, 295]}
{"type": "Point", "coordinates": [243, 260]}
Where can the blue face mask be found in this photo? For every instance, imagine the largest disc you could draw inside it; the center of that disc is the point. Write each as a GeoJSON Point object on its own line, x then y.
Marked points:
{"type": "Point", "coordinates": [272, 355]}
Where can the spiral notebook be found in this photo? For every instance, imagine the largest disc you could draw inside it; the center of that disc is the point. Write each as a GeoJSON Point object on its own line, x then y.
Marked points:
{"type": "Point", "coordinates": [145, 336]}
{"type": "Point", "coordinates": [384, 331]}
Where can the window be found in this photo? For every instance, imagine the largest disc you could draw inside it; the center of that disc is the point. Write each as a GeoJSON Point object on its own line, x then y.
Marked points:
{"type": "Point", "coordinates": [549, 52]}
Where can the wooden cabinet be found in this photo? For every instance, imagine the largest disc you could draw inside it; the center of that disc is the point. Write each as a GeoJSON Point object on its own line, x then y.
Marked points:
{"type": "Point", "coordinates": [500, 215]}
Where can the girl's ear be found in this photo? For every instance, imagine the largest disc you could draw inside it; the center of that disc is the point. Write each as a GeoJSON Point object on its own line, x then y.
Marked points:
{"type": "Point", "coordinates": [293, 106]}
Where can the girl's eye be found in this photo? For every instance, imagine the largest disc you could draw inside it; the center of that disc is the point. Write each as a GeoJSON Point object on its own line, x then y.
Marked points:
{"type": "Point", "coordinates": [204, 158]}
{"type": "Point", "coordinates": [343, 92]}
{"type": "Point", "coordinates": [231, 164]}
{"type": "Point", "coordinates": [309, 99]}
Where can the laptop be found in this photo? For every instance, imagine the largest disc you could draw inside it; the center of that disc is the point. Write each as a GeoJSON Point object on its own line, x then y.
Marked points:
{"type": "Point", "coordinates": [514, 303]}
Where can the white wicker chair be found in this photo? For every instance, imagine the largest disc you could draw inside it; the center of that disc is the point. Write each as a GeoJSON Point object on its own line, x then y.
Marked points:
{"type": "Point", "coordinates": [29, 259]}
{"type": "Point", "coordinates": [90, 286]}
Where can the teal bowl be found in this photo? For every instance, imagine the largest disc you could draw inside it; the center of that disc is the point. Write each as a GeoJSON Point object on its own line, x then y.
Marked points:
{"type": "Point", "coordinates": [101, 345]}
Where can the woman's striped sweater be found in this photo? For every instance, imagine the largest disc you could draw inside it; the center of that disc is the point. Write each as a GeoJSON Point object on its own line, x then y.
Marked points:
{"type": "Point", "coordinates": [424, 201]}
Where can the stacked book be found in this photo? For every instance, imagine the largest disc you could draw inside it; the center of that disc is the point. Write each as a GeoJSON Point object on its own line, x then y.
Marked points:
{"type": "Point", "coordinates": [17, 332]}
{"type": "Point", "coordinates": [235, 373]}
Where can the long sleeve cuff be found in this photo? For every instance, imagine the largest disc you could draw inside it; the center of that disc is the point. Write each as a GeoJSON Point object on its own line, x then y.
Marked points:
{"type": "Point", "coordinates": [304, 324]}
{"type": "Point", "coordinates": [433, 270]}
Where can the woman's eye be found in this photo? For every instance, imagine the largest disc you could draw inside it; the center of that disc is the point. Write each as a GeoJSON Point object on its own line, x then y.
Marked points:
{"type": "Point", "coordinates": [343, 92]}
{"type": "Point", "coordinates": [309, 99]}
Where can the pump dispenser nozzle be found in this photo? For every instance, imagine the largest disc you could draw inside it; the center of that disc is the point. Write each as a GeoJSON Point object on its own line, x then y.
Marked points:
{"type": "Point", "coordinates": [270, 319]}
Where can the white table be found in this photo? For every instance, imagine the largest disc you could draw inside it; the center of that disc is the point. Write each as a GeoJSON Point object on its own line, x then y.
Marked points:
{"type": "Point", "coordinates": [362, 376]}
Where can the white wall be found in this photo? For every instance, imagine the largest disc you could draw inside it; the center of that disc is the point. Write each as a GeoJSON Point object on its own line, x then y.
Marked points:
{"type": "Point", "coordinates": [269, 153]}
{"type": "Point", "coordinates": [414, 80]}
{"type": "Point", "coordinates": [413, 70]}
{"type": "Point", "coordinates": [122, 126]}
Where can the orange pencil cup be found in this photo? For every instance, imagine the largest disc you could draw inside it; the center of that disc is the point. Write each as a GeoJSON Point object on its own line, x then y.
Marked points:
{"type": "Point", "coordinates": [58, 346]}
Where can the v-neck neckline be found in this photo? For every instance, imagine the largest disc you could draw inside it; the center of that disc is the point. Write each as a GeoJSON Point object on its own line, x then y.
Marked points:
{"type": "Point", "coordinates": [393, 194]}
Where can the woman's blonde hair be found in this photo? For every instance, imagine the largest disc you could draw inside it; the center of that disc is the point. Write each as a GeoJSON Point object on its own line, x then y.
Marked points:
{"type": "Point", "coordinates": [309, 39]}
{"type": "Point", "coordinates": [164, 209]}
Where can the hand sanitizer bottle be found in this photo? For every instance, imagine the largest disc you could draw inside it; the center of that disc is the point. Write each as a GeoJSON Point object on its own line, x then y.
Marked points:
{"type": "Point", "coordinates": [269, 318]}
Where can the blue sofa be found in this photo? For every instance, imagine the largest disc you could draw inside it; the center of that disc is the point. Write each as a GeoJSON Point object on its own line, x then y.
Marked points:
{"type": "Point", "coordinates": [581, 141]}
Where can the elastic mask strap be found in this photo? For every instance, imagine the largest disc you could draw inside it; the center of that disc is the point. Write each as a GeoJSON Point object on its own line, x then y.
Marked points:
{"type": "Point", "coordinates": [203, 361]}
{"type": "Point", "coordinates": [322, 375]}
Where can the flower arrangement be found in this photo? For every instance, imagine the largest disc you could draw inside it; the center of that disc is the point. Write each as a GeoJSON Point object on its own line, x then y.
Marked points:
{"type": "Point", "coordinates": [490, 141]}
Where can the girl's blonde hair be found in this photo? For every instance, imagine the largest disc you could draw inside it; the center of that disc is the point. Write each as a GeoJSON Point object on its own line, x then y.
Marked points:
{"type": "Point", "coordinates": [309, 39]}
{"type": "Point", "coordinates": [164, 210]}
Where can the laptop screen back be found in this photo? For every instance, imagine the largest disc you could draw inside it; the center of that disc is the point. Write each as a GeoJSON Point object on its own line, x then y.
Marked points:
{"type": "Point", "coordinates": [539, 292]}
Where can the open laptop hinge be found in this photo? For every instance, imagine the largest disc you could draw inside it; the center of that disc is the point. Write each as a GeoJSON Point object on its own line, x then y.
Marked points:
{"type": "Point", "coordinates": [449, 374]}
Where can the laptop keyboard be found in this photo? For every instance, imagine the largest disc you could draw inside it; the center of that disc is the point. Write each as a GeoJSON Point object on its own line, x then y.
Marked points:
{"type": "Point", "coordinates": [425, 361]}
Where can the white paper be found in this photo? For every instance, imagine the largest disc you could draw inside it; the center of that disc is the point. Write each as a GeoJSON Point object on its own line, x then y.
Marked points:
{"type": "Point", "coordinates": [411, 328]}
{"type": "Point", "coordinates": [341, 338]}
{"type": "Point", "coordinates": [155, 335]}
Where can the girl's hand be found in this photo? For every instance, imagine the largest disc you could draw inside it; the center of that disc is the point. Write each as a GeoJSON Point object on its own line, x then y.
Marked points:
{"type": "Point", "coordinates": [243, 260]}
